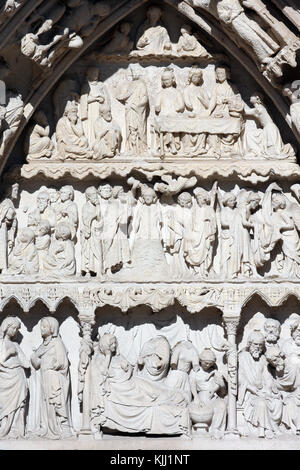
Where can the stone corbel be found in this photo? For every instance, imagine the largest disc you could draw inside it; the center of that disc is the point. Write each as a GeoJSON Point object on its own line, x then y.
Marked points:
{"type": "Point", "coordinates": [87, 321]}
{"type": "Point", "coordinates": [231, 318]}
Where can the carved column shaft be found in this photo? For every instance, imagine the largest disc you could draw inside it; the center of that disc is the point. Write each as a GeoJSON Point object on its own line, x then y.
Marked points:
{"type": "Point", "coordinates": [86, 347]}
{"type": "Point", "coordinates": [231, 317]}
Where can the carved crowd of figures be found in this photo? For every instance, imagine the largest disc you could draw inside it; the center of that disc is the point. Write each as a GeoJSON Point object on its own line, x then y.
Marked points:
{"type": "Point", "coordinates": [161, 231]}
{"type": "Point", "coordinates": [168, 391]}
{"type": "Point", "coordinates": [186, 121]}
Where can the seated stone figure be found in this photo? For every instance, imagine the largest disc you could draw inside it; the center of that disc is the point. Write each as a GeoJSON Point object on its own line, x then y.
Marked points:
{"type": "Point", "coordinates": [71, 141]}
{"type": "Point", "coordinates": [61, 257]}
{"type": "Point", "coordinates": [287, 377]}
{"type": "Point", "coordinates": [208, 408]}
{"type": "Point", "coordinates": [258, 395]}
{"type": "Point", "coordinates": [122, 401]}
{"type": "Point", "coordinates": [24, 257]}
{"type": "Point", "coordinates": [107, 135]}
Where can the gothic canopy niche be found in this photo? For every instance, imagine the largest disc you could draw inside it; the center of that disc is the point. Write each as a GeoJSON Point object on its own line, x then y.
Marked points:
{"type": "Point", "coordinates": [151, 199]}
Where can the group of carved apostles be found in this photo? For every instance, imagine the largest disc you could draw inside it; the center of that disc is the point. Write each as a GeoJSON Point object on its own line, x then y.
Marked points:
{"type": "Point", "coordinates": [187, 122]}
{"type": "Point", "coordinates": [172, 391]}
{"type": "Point", "coordinates": [166, 230]}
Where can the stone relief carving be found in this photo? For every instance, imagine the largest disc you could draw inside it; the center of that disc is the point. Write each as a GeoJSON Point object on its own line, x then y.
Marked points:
{"type": "Point", "coordinates": [191, 232]}
{"type": "Point", "coordinates": [135, 111]}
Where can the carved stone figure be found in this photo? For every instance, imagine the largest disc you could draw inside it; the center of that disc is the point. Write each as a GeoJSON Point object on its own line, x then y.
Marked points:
{"type": "Point", "coordinates": [200, 242]}
{"type": "Point", "coordinates": [38, 144]}
{"type": "Point", "coordinates": [24, 258]}
{"type": "Point", "coordinates": [44, 55]}
{"type": "Point", "coordinates": [208, 408]}
{"type": "Point", "coordinates": [91, 225]}
{"type": "Point", "coordinates": [13, 114]}
{"type": "Point", "coordinates": [147, 250]}
{"type": "Point", "coordinates": [292, 92]}
{"type": "Point", "coordinates": [67, 211]}
{"type": "Point", "coordinates": [265, 141]}
{"type": "Point", "coordinates": [134, 95]}
{"type": "Point", "coordinates": [291, 347]}
{"type": "Point", "coordinates": [153, 37]}
{"type": "Point", "coordinates": [179, 227]}
{"type": "Point", "coordinates": [42, 242]}
{"type": "Point", "coordinates": [71, 142]}
{"type": "Point", "coordinates": [93, 101]}
{"type": "Point", "coordinates": [8, 9]}
{"type": "Point", "coordinates": [169, 103]}
{"type": "Point", "coordinates": [258, 397]}
{"type": "Point", "coordinates": [233, 16]}
{"type": "Point", "coordinates": [285, 234]}
{"type": "Point", "coordinates": [272, 330]}
{"type": "Point", "coordinates": [154, 408]}
{"type": "Point", "coordinates": [51, 360]}
{"type": "Point", "coordinates": [43, 211]}
{"type": "Point", "coordinates": [287, 376]}
{"type": "Point", "coordinates": [13, 383]}
{"type": "Point", "coordinates": [108, 136]}
{"type": "Point", "coordinates": [120, 43]}
{"type": "Point", "coordinates": [226, 103]}
{"type": "Point", "coordinates": [196, 102]}
{"type": "Point", "coordinates": [236, 249]}
{"type": "Point", "coordinates": [184, 358]}
{"type": "Point", "coordinates": [8, 226]}
{"type": "Point", "coordinates": [188, 44]}
{"type": "Point", "coordinates": [61, 256]}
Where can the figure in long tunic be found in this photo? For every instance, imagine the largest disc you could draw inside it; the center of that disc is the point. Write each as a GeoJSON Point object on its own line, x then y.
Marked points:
{"type": "Point", "coordinates": [134, 95]}
{"type": "Point", "coordinates": [91, 224]}
{"type": "Point", "coordinates": [94, 96]}
{"type": "Point", "coordinates": [51, 360]}
{"type": "Point", "coordinates": [200, 242]}
{"type": "Point", "coordinates": [13, 382]}
{"type": "Point", "coordinates": [153, 38]}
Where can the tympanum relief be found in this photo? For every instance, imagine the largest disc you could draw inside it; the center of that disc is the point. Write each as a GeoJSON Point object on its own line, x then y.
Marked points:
{"type": "Point", "coordinates": [151, 173]}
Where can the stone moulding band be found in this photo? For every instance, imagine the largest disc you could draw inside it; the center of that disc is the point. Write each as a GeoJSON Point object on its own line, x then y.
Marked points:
{"type": "Point", "coordinates": [245, 170]}
{"type": "Point", "coordinates": [194, 297]}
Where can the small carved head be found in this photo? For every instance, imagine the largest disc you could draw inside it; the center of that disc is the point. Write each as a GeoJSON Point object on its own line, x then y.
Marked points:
{"type": "Point", "coordinates": [66, 193]}
{"type": "Point", "coordinates": [71, 111]}
{"type": "Point", "coordinates": [105, 191]}
{"type": "Point", "coordinates": [9, 327]}
{"type": "Point", "coordinates": [91, 195]}
{"type": "Point", "coordinates": [168, 78]}
{"type": "Point", "coordinates": [125, 28]}
{"type": "Point", "coordinates": [195, 75]}
{"type": "Point", "coordinates": [295, 331]}
{"type": "Point", "coordinates": [272, 329]}
{"type": "Point", "coordinates": [26, 236]}
{"type": "Point", "coordinates": [63, 232]}
{"type": "Point", "coordinates": [207, 359]}
{"type": "Point", "coordinates": [43, 200]}
{"type": "Point", "coordinates": [15, 191]}
{"type": "Point", "coordinates": [186, 29]}
{"type": "Point", "coordinates": [256, 344]}
{"type": "Point", "coordinates": [92, 74]}
{"type": "Point", "coordinates": [49, 327]}
{"type": "Point", "coordinates": [185, 200]}
{"type": "Point", "coordinates": [148, 195]}
{"type": "Point", "coordinates": [222, 73]}
{"type": "Point", "coordinates": [40, 118]}
{"type": "Point", "coordinates": [275, 358]}
{"type": "Point", "coordinates": [54, 195]}
{"type": "Point", "coordinates": [278, 201]}
{"type": "Point", "coordinates": [253, 200]}
{"type": "Point", "coordinates": [101, 9]}
{"type": "Point", "coordinates": [154, 14]}
{"type": "Point", "coordinates": [257, 98]}
{"type": "Point", "coordinates": [44, 228]}
{"type": "Point", "coordinates": [229, 200]}
{"type": "Point", "coordinates": [202, 197]}
{"type": "Point", "coordinates": [108, 343]}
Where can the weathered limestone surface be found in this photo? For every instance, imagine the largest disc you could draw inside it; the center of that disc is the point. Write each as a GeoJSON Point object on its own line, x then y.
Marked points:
{"type": "Point", "coordinates": [149, 224]}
